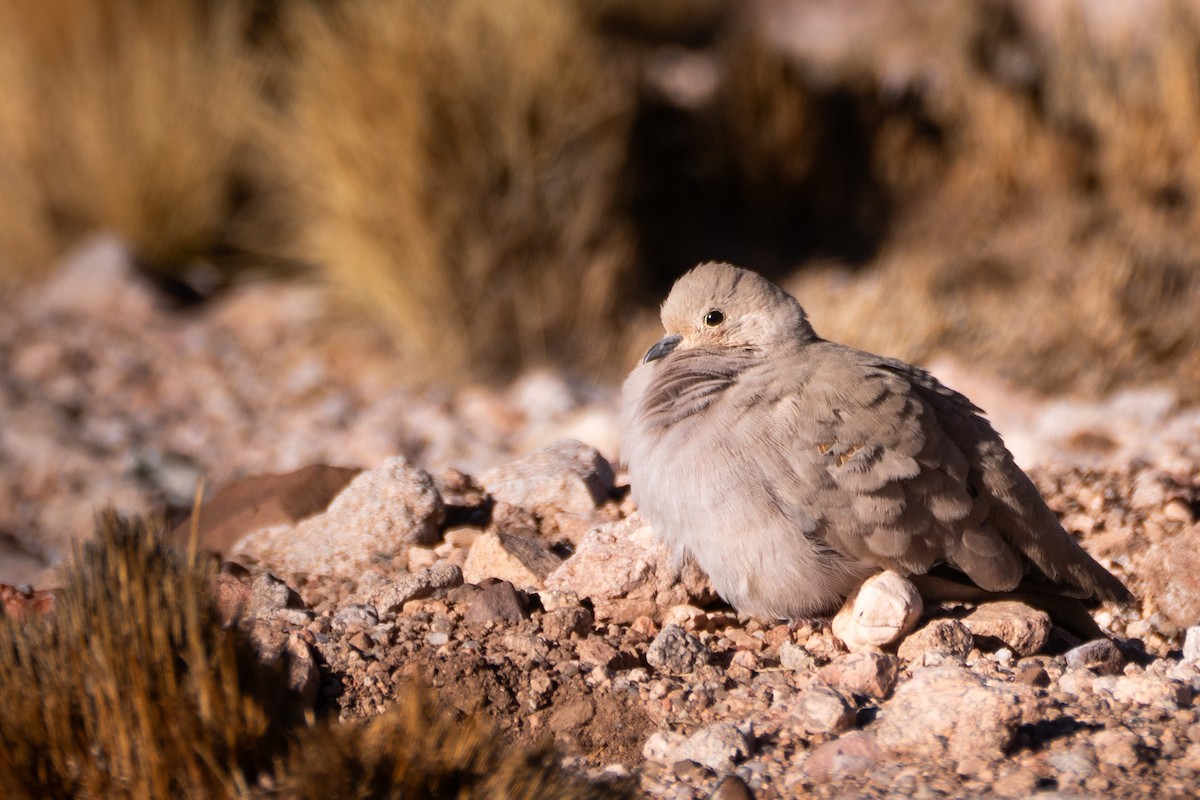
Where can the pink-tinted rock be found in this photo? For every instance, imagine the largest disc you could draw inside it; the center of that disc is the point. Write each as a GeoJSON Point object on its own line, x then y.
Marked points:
{"type": "Point", "coordinates": [626, 573]}
{"type": "Point", "coordinates": [19, 603]}
{"type": "Point", "coordinates": [1171, 571]}
{"type": "Point", "coordinates": [596, 652]}
{"type": "Point", "coordinates": [867, 674]}
{"type": "Point", "coordinates": [566, 476]}
{"type": "Point", "coordinates": [375, 518]}
{"type": "Point", "coordinates": [853, 754]}
{"type": "Point", "coordinates": [1023, 629]}
{"type": "Point", "coordinates": [517, 559]}
{"type": "Point", "coordinates": [950, 712]}
{"type": "Point", "coordinates": [232, 597]}
{"type": "Point", "coordinates": [563, 623]}
{"type": "Point", "coordinates": [822, 709]}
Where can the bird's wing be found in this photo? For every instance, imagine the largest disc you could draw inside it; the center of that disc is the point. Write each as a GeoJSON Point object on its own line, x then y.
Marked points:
{"type": "Point", "coordinates": [883, 464]}
{"type": "Point", "coordinates": [1017, 508]}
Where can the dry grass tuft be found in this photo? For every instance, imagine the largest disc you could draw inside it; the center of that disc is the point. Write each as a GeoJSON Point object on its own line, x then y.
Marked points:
{"type": "Point", "coordinates": [131, 688]}
{"type": "Point", "coordinates": [415, 750]}
{"type": "Point", "coordinates": [458, 168]}
{"type": "Point", "coordinates": [121, 115]}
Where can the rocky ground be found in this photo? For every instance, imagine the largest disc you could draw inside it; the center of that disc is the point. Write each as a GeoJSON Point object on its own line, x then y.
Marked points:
{"type": "Point", "coordinates": [483, 541]}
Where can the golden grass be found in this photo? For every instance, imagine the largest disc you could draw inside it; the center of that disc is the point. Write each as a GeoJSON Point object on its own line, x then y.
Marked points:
{"type": "Point", "coordinates": [132, 688]}
{"type": "Point", "coordinates": [120, 115]}
{"type": "Point", "coordinates": [458, 167]}
{"type": "Point", "coordinates": [415, 750]}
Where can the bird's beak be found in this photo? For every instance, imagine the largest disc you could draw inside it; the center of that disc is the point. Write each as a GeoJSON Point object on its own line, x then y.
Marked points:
{"type": "Point", "coordinates": [662, 347]}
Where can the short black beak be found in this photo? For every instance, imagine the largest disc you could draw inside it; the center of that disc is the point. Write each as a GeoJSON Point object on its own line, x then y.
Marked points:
{"type": "Point", "coordinates": [662, 347]}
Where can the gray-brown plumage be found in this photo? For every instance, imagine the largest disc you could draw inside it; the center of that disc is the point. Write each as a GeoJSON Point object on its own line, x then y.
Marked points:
{"type": "Point", "coordinates": [791, 468]}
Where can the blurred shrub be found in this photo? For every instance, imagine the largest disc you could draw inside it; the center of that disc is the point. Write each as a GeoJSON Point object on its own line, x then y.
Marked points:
{"type": "Point", "coordinates": [1041, 197]}
{"type": "Point", "coordinates": [458, 169]}
{"type": "Point", "coordinates": [126, 115]}
{"type": "Point", "coordinates": [131, 688]}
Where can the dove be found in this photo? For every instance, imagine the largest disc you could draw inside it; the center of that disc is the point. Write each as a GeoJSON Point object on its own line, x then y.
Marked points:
{"type": "Point", "coordinates": [792, 468]}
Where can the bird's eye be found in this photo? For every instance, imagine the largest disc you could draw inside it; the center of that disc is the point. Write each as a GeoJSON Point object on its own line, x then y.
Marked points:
{"type": "Point", "coordinates": [714, 318]}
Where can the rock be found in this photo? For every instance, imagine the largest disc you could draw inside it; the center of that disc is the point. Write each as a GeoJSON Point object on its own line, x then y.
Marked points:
{"type": "Point", "coordinates": [1142, 689]}
{"type": "Point", "coordinates": [554, 599]}
{"type": "Point", "coordinates": [562, 623]}
{"type": "Point", "coordinates": [262, 501]}
{"type": "Point", "coordinates": [1100, 656]}
{"type": "Point", "coordinates": [1024, 629]}
{"type": "Point", "coordinates": [941, 637]}
{"type": "Point", "coordinates": [626, 574]}
{"type": "Point", "coordinates": [1191, 645]}
{"type": "Point", "coordinates": [304, 676]}
{"type": "Point", "coordinates": [1073, 763]}
{"type": "Point", "coordinates": [232, 596]}
{"type": "Point", "coordinates": [796, 658]}
{"type": "Point", "coordinates": [363, 616]}
{"type": "Point", "coordinates": [731, 787]}
{"type": "Point", "coordinates": [823, 710]}
{"type": "Point", "coordinates": [500, 602]}
{"type": "Point", "coordinates": [375, 518]}
{"type": "Point", "coordinates": [387, 596]}
{"type": "Point", "coordinates": [717, 747]}
{"type": "Point", "coordinates": [853, 754]}
{"type": "Point", "coordinates": [268, 593]}
{"type": "Point", "coordinates": [1171, 571]}
{"type": "Point", "coordinates": [950, 712]}
{"type": "Point", "coordinates": [687, 770]}
{"type": "Point", "coordinates": [1017, 782]}
{"type": "Point", "coordinates": [566, 476]}
{"type": "Point", "coordinates": [660, 746]}
{"type": "Point", "coordinates": [420, 558]}
{"type": "Point", "coordinates": [21, 602]}
{"type": "Point", "coordinates": [866, 674]}
{"type": "Point", "coordinates": [883, 610]}
{"type": "Point", "coordinates": [596, 652]}
{"type": "Point", "coordinates": [674, 651]}
{"type": "Point", "coordinates": [1117, 747]}
{"type": "Point", "coordinates": [521, 561]}
{"type": "Point", "coordinates": [690, 618]}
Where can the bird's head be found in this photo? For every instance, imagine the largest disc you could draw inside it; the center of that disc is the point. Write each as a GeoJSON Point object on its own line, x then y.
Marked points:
{"type": "Point", "coordinates": [721, 306]}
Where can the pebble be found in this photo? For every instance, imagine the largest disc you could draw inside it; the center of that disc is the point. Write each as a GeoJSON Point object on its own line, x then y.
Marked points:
{"type": "Point", "coordinates": [1100, 656]}
{"type": "Point", "coordinates": [824, 710]}
{"type": "Point", "coordinates": [674, 651]}
{"type": "Point", "coordinates": [500, 602]}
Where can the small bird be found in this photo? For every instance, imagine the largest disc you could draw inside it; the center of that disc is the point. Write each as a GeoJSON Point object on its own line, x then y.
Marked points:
{"type": "Point", "coordinates": [792, 468]}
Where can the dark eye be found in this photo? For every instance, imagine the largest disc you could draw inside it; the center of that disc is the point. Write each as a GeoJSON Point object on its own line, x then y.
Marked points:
{"type": "Point", "coordinates": [714, 318]}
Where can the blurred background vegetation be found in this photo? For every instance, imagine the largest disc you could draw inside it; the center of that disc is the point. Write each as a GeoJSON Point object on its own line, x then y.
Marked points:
{"type": "Point", "coordinates": [506, 184]}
